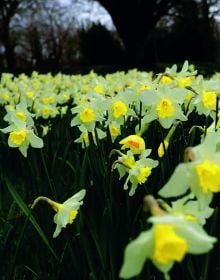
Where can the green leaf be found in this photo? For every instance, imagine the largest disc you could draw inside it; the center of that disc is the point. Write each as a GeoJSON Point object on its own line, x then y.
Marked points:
{"type": "Point", "coordinates": [28, 214]}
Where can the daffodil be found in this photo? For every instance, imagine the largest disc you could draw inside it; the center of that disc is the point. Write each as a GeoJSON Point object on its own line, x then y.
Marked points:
{"type": "Point", "coordinates": [205, 103]}
{"type": "Point", "coordinates": [133, 142]}
{"type": "Point", "coordinates": [143, 88]}
{"type": "Point", "coordinates": [88, 114]}
{"type": "Point", "coordinates": [124, 162]}
{"type": "Point", "coordinates": [99, 89]}
{"type": "Point", "coordinates": [163, 148]}
{"type": "Point", "coordinates": [5, 96]}
{"type": "Point", "coordinates": [66, 212]}
{"type": "Point", "coordinates": [63, 97]}
{"type": "Point", "coordinates": [21, 136]}
{"type": "Point", "coordinates": [140, 173]}
{"type": "Point", "coordinates": [47, 99]}
{"type": "Point", "coordinates": [186, 81]}
{"type": "Point", "coordinates": [209, 99]}
{"type": "Point", "coordinates": [164, 104]}
{"type": "Point", "coordinates": [165, 144]}
{"type": "Point", "coordinates": [168, 245]}
{"type": "Point", "coordinates": [206, 97]}
{"type": "Point", "coordinates": [165, 108]}
{"type": "Point", "coordinates": [19, 113]}
{"type": "Point", "coordinates": [114, 130]}
{"type": "Point", "coordinates": [190, 208]}
{"type": "Point", "coordinates": [168, 241]}
{"type": "Point", "coordinates": [138, 170]}
{"type": "Point", "coordinates": [201, 174]}
{"type": "Point", "coordinates": [118, 107]}
{"type": "Point", "coordinates": [84, 136]}
{"type": "Point", "coordinates": [166, 80]}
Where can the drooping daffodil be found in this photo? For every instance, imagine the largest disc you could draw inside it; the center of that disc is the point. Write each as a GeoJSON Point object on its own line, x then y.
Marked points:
{"type": "Point", "coordinates": [166, 142]}
{"type": "Point", "coordinates": [66, 212]}
{"type": "Point", "coordinates": [138, 170]}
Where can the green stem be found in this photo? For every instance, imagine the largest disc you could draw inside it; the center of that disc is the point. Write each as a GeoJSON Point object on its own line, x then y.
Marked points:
{"type": "Point", "coordinates": [53, 189]}
{"type": "Point", "coordinates": [143, 129]}
{"type": "Point", "coordinates": [216, 112]}
{"type": "Point", "coordinates": [21, 237]}
{"type": "Point", "coordinates": [215, 222]}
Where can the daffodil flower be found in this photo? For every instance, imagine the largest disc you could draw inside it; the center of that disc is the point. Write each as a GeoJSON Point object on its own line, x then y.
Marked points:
{"type": "Point", "coordinates": [138, 171]}
{"type": "Point", "coordinates": [21, 136]}
{"type": "Point", "coordinates": [124, 162]}
{"type": "Point", "coordinates": [114, 130]}
{"type": "Point", "coordinates": [206, 97]}
{"type": "Point", "coordinates": [164, 104]}
{"type": "Point", "coordinates": [88, 114]}
{"type": "Point", "coordinates": [201, 174]}
{"type": "Point", "coordinates": [118, 108]}
{"type": "Point", "coordinates": [166, 142]}
{"type": "Point", "coordinates": [66, 212]}
{"type": "Point", "coordinates": [133, 142]}
{"type": "Point", "coordinates": [168, 241]}
{"type": "Point", "coordinates": [84, 136]}
{"type": "Point", "coordinates": [19, 113]}
{"type": "Point", "coordinates": [190, 208]}
{"type": "Point", "coordinates": [205, 103]}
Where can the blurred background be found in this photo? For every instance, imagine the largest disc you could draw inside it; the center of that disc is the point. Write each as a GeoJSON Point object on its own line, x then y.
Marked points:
{"type": "Point", "coordinates": [77, 35]}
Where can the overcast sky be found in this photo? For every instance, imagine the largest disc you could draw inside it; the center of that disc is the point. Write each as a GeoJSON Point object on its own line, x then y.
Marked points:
{"type": "Point", "coordinates": [89, 12]}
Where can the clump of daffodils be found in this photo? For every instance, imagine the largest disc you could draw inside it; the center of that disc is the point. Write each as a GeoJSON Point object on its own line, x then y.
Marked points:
{"type": "Point", "coordinates": [66, 212]}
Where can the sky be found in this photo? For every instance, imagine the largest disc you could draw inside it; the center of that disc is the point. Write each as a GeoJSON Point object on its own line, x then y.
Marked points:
{"type": "Point", "coordinates": [87, 12]}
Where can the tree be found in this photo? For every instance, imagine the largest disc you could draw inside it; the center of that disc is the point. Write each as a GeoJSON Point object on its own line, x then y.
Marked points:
{"type": "Point", "coordinates": [99, 46]}
{"type": "Point", "coordinates": [193, 31]}
{"type": "Point", "coordinates": [135, 21]}
{"type": "Point", "coordinates": [41, 35]}
{"type": "Point", "coordinates": [8, 10]}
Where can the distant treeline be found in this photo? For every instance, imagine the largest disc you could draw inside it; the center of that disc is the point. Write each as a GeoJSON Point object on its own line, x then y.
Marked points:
{"type": "Point", "coordinates": [43, 36]}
